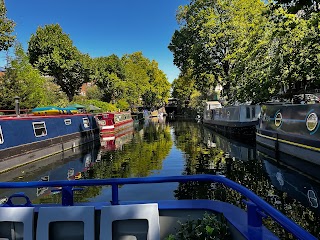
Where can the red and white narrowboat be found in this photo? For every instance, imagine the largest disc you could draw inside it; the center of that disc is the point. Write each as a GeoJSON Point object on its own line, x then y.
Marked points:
{"type": "Point", "coordinates": [114, 122]}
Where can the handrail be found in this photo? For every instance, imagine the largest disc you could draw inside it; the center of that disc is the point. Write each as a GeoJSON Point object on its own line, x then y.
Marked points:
{"type": "Point", "coordinates": [276, 215]}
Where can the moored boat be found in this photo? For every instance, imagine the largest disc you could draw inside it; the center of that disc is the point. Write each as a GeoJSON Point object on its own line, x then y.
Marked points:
{"type": "Point", "coordinates": [291, 129]}
{"type": "Point", "coordinates": [131, 219]}
{"type": "Point", "coordinates": [113, 122]}
{"type": "Point", "coordinates": [241, 119]}
{"type": "Point", "coordinates": [28, 138]}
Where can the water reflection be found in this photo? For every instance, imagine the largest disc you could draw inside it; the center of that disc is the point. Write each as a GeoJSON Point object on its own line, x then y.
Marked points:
{"type": "Point", "coordinates": [160, 148]}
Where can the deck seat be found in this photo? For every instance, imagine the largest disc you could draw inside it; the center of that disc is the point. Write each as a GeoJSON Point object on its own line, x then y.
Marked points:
{"type": "Point", "coordinates": [16, 223]}
{"type": "Point", "coordinates": [145, 212]}
{"type": "Point", "coordinates": [70, 222]}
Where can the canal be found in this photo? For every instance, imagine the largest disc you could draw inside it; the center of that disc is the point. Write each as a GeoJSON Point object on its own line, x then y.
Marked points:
{"type": "Point", "coordinates": [160, 148]}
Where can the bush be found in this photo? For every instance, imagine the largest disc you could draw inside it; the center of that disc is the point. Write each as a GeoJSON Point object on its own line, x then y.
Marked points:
{"type": "Point", "coordinates": [209, 227]}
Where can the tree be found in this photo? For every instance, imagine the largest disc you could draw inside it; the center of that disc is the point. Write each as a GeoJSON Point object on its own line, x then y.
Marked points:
{"type": "Point", "coordinates": [159, 90]}
{"type": "Point", "coordinates": [137, 78]}
{"type": "Point", "coordinates": [109, 75]}
{"type": "Point", "coordinates": [22, 80]}
{"type": "Point", "coordinates": [6, 28]}
{"type": "Point", "coordinates": [209, 37]}
{"type": "Point", "coordinates": [53, 53]}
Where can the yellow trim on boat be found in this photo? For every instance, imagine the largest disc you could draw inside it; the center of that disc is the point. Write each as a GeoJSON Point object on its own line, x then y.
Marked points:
{"type": "Point", "coordinates": [261, 135]}
{"type": "Point", "coordinates": [291, 143]}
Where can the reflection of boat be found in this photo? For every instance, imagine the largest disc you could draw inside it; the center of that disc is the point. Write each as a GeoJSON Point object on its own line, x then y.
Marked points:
{"type": "Point", "coordinates": [115, 140]}
{"type": "Point", "coordinates": [298, 185]}
{"type": "Point", "coordinates": [236, 149]}
{"type": "Point", "coordinates": [152, 220]}
{"type": "Point", "coordinates": [25, 139]}
{"type": "Point", "coordinates": [58, 167]}
{"type": "Point", "coordinates": [237, 120]}
{"type": "Point", "coordinates": [291, 129]}
{"type": "Point", "coordinates": [114, 122]}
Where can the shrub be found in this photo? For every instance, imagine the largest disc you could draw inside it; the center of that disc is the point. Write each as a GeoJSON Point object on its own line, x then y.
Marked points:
{"type": "Point", "coordinates": [207, 228]}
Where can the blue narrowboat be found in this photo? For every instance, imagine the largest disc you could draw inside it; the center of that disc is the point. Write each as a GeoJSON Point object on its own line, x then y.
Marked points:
{"type": "Point", "coordinates": [24, 139]}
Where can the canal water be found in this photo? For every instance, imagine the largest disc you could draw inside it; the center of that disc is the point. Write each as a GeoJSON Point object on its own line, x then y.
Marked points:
{"type": "Point", "coordinates": [163, 148]}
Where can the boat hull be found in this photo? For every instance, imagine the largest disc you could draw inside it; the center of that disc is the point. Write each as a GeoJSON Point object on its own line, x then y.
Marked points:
{"type": "Point", "coordinates": [21, 144]}
{"type": "Point", "coordinates": [291, 129]}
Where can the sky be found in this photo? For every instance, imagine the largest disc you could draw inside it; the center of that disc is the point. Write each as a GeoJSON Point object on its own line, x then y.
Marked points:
{"type": "Point", "coordinates": [104, 27]}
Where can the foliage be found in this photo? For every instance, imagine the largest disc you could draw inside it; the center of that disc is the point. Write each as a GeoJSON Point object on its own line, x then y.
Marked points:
{"type": "Point", "coordinates": [94, 92]}
{"type": "Point", "coordinates": [6, 28]}
{"type": "Point", "coordinates": [208, 39]}
{"type": "Point", "coordinates": [209, 227]}
{"type": "Point", "coordinates": [22, 80]}
{"type": "Point", "coordinates": [105, 107]}
{"type": "Point", "coordinates": [109, 76]}
{"type": "Point", "coordinates": [253, 50]}
{"type": "Point", "coordinates": [122, 104]}
{"type": "Point", "coordinates": [53, 53]}
{"type": "Point", "coordinates": [54, 95]}
{"type": "Point", "coordinates": [306, 7]}
{"type": "Point", "coordinates": [137, 79]}
{"type": "Point", "coordinates": [159, 87]}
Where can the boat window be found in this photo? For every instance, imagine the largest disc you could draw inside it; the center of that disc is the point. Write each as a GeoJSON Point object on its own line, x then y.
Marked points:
{"type": "Point", "coordinates": [86, 122]}
{"type": "Point", "coordinates": [253, 112]}
{"type": "Point", "coordinates": [1, 136]}
{"type": "Point", "coordinates": [39, 129]}
{"type": "Point", "coordinates": [67, 121]}
{"type": "Point", "coordinates": [248, 112]}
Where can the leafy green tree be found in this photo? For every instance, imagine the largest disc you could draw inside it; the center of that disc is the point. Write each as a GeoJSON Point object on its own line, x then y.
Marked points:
{"type": "Point", "coordinates": [109, 75]}
{"type": "Point", "coordinates": [23, 80]}
{"type": "Point", "coordinates": [137, 79]}
{"type": "Point", "coordinates": [209, 37]}
{"type": "Point", "coordinates": [6, 28]}
{"type": "Point", "coordinates": [53, 53]}
{"type": "Point", "coordinates": [159, 90]}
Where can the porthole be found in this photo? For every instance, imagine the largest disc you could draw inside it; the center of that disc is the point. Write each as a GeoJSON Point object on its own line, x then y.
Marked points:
{"type": "Point", "coordinates": [312, 121]}
{"type": "Point", "coordinates": [278, 119]}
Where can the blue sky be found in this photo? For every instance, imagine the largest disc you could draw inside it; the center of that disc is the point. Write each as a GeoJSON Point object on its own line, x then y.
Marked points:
{"type": "Point", "coordinates": [104, 27]}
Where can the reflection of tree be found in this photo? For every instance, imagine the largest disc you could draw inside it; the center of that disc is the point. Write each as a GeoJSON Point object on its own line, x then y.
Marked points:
{"type": "Point", "coordinates": [201, 159]}
{"type": "Point", "coordinates": [136, 159]}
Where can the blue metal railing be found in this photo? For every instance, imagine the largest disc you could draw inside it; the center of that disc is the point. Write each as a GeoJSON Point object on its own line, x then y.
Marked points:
{"type": "Point", "coordinates": [257, 207]}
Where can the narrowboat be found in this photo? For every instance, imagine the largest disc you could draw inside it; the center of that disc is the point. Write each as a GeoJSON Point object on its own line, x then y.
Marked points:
{"type": "Point", "coordinates": [153, 220]}
{"type": "Point", "coordinates": [291, 129]}
{"type": "Point", "coordinates": [113, 122]}
{"type": "Point", "coordinates": [237, 120]}
{"type": "Point", "coordinates": [28, 138]}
